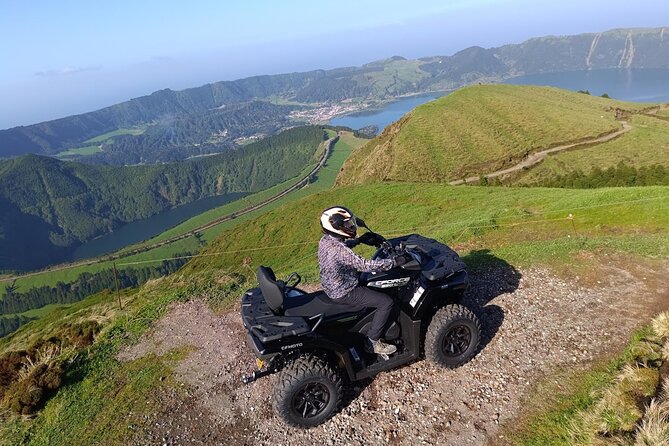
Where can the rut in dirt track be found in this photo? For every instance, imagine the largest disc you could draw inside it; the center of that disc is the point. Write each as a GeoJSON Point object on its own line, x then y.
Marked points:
{"type": "Point", "coordinates": [533, 323]}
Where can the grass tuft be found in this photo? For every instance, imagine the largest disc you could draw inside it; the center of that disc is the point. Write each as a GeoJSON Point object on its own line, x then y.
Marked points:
{"type": "Point", "coordinates": [654, 428]}
{"type": "Point", "coordinates": [660, 325]}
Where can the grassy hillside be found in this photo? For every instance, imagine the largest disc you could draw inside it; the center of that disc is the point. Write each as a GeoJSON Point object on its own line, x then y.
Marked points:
{"type": "Point", "coordinates": [478, 130]}
{"type": "Point", "coordinates": [647, 144]}
{"type": "Point", "coordinates": [519, 225]}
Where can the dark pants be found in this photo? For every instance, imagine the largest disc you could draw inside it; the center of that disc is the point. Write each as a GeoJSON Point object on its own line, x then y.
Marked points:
{"type": "Point", "coordinates": [364, 297]}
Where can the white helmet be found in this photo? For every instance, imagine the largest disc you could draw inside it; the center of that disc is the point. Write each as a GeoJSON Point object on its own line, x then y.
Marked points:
{"type": "Point", "coordinates": [339, 221]}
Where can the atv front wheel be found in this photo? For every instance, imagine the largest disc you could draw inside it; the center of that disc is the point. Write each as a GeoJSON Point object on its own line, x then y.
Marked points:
{"type": "Point", "coordinates": [308, 392]}
{"type": "Point", "coordinates": [453, 336]}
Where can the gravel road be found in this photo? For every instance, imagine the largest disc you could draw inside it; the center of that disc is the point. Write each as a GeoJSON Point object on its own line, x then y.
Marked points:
{"type": "Point", "coordinates": [534, 322]}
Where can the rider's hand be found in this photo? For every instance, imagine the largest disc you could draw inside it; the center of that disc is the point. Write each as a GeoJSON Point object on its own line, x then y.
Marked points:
{"type": "Point", "coordinates": [369, 238]}
{"type": "Point", "coordinates": [351, 242]}
{"type": "Point", "coordinates": [399, 260]}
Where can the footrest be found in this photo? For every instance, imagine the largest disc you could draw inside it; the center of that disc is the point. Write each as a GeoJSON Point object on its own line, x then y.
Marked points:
{"type": "Point", "coordinates": [273, 328]}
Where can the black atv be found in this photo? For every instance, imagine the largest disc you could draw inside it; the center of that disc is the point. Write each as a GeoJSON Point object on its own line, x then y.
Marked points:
{"type": "Point", "coordinates": [315, 343]}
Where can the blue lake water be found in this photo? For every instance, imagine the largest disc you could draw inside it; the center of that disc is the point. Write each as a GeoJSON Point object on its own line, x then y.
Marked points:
{"type": "Point", "coordinates": [647, 85]}
{"type": "Point", "coordinates": [149, 227]}
{"type": "Point", "coordinates": [387, 115]}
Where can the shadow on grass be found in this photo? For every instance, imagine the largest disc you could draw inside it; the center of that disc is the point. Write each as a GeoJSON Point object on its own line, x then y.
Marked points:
{"type": "Point", "coordinates": [489, 278]}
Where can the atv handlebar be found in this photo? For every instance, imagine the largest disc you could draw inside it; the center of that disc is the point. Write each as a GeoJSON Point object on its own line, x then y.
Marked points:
{"type": "Point", "coordinates": [413, 259]}
{"type": "Point", "coordinates": [372, 238]}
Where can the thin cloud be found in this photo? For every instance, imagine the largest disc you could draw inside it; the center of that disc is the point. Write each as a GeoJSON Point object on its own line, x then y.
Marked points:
{"type": "Point", "coordinates": [162, 59]}
{"type": "Point", "coordinates": [65, 71]}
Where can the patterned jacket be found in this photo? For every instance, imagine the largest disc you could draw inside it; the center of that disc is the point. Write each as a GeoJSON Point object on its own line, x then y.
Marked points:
{"type": "Point", "coordinates": [340, 267]}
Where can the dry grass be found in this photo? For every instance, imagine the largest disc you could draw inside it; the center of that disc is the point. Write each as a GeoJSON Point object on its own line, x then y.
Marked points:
{"type": "Point", "coordinates": [660, 325]}
{"type": "Point", "coordinates": [654, 428]}
{"type": "Point", "coordinates": [647, 352]}
{"type": "Point", "coordinates": [43, 356]}
{"type": "Point", "coordinates": [630, 411]}
{"type": "Point", "coordinates": [613, 419]}
{"type": "Point", "coordinates": [665, 351]}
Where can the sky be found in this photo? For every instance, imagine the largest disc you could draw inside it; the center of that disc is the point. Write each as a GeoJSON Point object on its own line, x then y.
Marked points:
{"type": "Point", "coordinates": [72, 56]}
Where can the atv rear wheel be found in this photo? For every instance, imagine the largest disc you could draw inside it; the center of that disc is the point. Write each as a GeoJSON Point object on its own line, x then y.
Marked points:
{"type": "Point", "coordinates": [308, 392]}
{"type": "Point", "coordinates": [453, 336]}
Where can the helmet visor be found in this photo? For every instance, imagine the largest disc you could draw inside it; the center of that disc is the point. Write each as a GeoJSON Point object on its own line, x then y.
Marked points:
{"type": "Point", "coordinates": [349, 225]}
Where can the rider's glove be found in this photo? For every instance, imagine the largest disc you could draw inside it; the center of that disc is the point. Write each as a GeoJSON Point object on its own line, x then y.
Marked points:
{"type": "Point", "coordinates": [351, 242]}
{"type": "Point", "coordinates": [399, 260]}
{"type": "Point", "coordinates": [369, 238]}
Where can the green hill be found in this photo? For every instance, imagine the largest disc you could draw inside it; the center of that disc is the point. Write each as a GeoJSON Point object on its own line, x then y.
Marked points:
{"type": "Point", "coordinates": [48, 206]}
{"type": "Point", "coordinates": [481, 129]}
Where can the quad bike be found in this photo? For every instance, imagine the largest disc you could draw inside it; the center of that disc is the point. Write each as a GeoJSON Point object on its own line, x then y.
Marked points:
{"type": "Point", "coordinates": [314, 343]}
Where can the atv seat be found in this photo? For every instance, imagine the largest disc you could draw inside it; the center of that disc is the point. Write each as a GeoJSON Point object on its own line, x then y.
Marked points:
{"type": "Point", "coordinates": [293, 302]}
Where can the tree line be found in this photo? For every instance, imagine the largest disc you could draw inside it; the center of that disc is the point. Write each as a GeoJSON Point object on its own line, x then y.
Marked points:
{"type": "Point", "coordinates": [11, 323]}
{"type": "Point", "coordinates": [622, 175]}
{"type": "Point", "coordinates": [85, 285]}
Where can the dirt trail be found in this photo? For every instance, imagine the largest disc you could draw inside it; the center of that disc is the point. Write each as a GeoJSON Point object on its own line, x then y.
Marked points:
{"type": "Point", "coordinates": [536, 158]}
{"type": "Point", "coordinates": [533, 323]}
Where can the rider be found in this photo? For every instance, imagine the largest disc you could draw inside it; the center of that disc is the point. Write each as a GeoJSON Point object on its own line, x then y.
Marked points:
{"type": "Point", "coordinates": [340, 270]}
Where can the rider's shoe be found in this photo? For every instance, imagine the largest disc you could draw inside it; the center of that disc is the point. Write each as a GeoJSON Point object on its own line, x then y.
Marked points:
{"type": "Point", "coordinates": [379, 347]}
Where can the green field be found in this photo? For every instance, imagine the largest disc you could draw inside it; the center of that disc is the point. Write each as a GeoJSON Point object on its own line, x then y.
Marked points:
{"type": "Point", "coordinates": [521, 225]}
{"type": "Point", "coordinates": [646, 144]}
{"type": "Point", "coordinates": [106, 136]}
{"type": "Point", "coordinates": [66, 275]}
{"type": "Point", "coordinates": [395, 73]}
{"type": "Point", "coordinates": [94, 143]}
{"type": "Point", "coordinates": [480, 129]}
{"type": "Point", "coordinates": [88, 150]}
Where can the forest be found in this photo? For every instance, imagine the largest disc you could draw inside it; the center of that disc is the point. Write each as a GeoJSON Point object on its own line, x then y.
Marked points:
{"type": "Point", "coordinates": [179, 137]}
{"type": "Point", "coordinates": [622, 175]}
{"type": "Point", "coordinates": [12, 323]}
{"type": "Point", "coordinates": [48, 207]}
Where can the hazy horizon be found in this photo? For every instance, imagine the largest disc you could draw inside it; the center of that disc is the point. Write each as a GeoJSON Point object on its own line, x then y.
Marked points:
{"type": "Point", "coordinates": [78, 57]}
